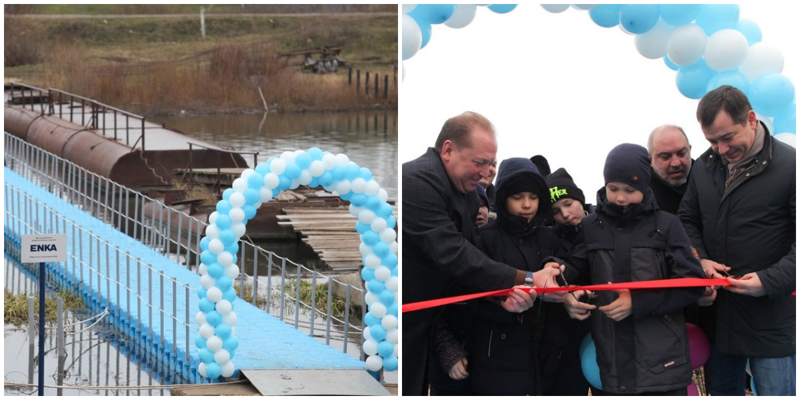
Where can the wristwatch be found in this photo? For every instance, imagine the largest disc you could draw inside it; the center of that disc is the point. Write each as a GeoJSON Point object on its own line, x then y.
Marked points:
{"type": "Point", "coordinates": [528, 278]}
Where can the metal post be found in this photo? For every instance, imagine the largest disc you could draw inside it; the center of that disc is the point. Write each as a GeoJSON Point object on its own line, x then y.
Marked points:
{"type": "Point", "coordinates": [297, 298]}
{"type": "Point", "coordinates": [186, 290]}
{"type": "Point", "coordinates": [42, 289]}
{"type": "Point", "coordinates": [283, 283]}
{"type": "Point", "coordinates": [269, 281]}
{"type": "Point", "coordinates": [313, 301]}
{"type": "Point", "coordinates": [175, 317]}
{"type": "Point", "coordinates": [366, 84]}
{"type": "Point", "coordinates": [31, 337]}
{"type": "Point", "coordinates": [386, 86]}
{"type": "Point", "coordinates": [349, 76]}
{"type": "Point", "coordinates": [346, 317]}
{"type": "Point", "coordinates": [358, 80]}
{"type": "Point", "coordinates": [62, 355]}
{"type": "Point", "coordinates": [178, 243]}
{"type": "Point", "coordinates": [255, 275]}
{"type": "Point", "coordinates": [328, 322]}
{"type": "Point", "coordinates": [376, 85]}
{"type": "Point", "coordinates": [161, 306]}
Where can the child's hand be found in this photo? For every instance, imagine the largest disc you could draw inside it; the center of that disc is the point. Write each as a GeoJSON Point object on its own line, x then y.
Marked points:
{"type": "Point", "coordinates": [546, 278]}
{"type": "Point", "coordinates": [620, 308]}
{"type": "Point", "coordinates": [459, 370]}
{"type": "Point", "coordinates": [708, 297]}
{"type": "Point", "coordinates": [576, 309]}
{"type": "Point", "coordinates": [519, 300]}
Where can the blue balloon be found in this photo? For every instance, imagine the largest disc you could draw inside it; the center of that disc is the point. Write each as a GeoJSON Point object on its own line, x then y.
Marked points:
{"type": "Point", "coordinates": [346, 196]}
{"type": "Point", "coordinates": [391, 222]}
{"type": "Point", "coordinates": [262, 169]}
{"type": "Point", "coordinates": [255, 180]}
{"type": "Point", "coordinates": [251, 196]}
{"type": "Point", "coordinates": [375, 286]}
{"type": "Point", "coordinates": [589, 362]}
{"type": "Point", "coordinates": [352, 171]}
{"type": "Point", "coordinates": [326, 179]}
{"type": "Point", "coordinates": [427, 32]}
{"type": "Point", "coordinates": [770, 94]}
{"type": "Point", "coordinates": [208, 257]}
{"type": "Point", "coordinates": [385, 349]}
{"type": "Point", "coordinates": [229, 295]}
{"type": "Point", "coordinates": [283, 183]}
{"type": "Point", "coordinates": [750, 30]}
{"type": "Point", "coordinates": [362, 228]}
{"type": "Point", "coordinates": [230, 344]}
{"type": "Point", "coordinates": [386, 297]}
{"type": "Point", "coordinates": [200, 342]}
{"type": "Point", "coordinates": [732, 78]}
{"type": "Point", "coordinates": [224, 207]}
{"type": "Point", "coordinates": [292, 171]}
{"type": "Point", "coordinates": [202, 293]}
{"type": "Point", "coordinates": [786, 120]}
{"type": "Point", "coordinates": [370, 319]}
{"type": "Point", "coordinates": [501, 8]}
{"type": "Point", "coordinates": [204, 244]}
{"type": "Point", "coordinates": [367, 274]}
{"type": "Point", "coordinates": [338, 172]}
{"type": "Point", "coordinates": [303, 160]}
{"type": "Point", "coordinates": [249, 211]}
{"type": "Point", "coordinates": [392, 309]}
{"type": "Point", "coordinates": [315, 153]}
{"type": "Point", "coordinates": [432, 13]}
{"type": "Point", "coordinates": [692, 80]}
{"type": "Point", "coordinates": [223, 221]}
{"type": "Point", "coordinates": [370, 238]}
{"type": "Point", "coordinates": [366, 174]}
{"type": "Point", "coordinates": [206, 305]}
{"type": "Point", "coordinates": [390, 363]}
{"type": "Point", "coordinates": [380, 249]}
{"type": "Point", "coordinates": [216, 270]}
{"type": "Point", "coordinates": [213, 318]}
{"type": "Point", "coordinates": [385, 211]}
{"type": "Point", "coordinates": [389, 260]}
{"type": "Point", "coordinates": [232, 248]}
{"type": "Point", "coordinates": [358, 199]}
{"type": "Point", "coordinates": [269, 162]}
{"type": "Point", "coordinates": [213, 370]}
{"type": "Point", "coordinates": [314, 183]}
{"type": "Point", "coordinates": [226, 195]}
{"type": "Point", "coordinates": [227, 236]}
{"type": "Point", "coordinates": [378, 332]}
{"type": "Point", "coordinates": [679, 14]}
{"type": "Point", "coordinates": [671, 64]}
{"type": "Point", "coordinates": [638, 18]}
{"type": "Point", "coordinates": [373, 203]}
{"type": "Point", "coordinates": [222, 331]}
{"type": "Point", "coordinates": [715, 17]}
{"type": "Point", "coordinates": [605, 15]}
{"type": "Point", "coordinates": [394, 271]}
{"type": "Point", "coordinates": [224, 283]}
{"type": "Point", "coordinates": [205, 355]}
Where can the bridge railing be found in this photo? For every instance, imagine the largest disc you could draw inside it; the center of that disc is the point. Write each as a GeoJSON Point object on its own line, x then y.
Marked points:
{"type": "Point", "coordinates": [177, 235]}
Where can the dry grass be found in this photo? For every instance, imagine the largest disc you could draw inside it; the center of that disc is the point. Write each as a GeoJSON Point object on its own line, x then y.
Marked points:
{"type": "Point", "coordinates": [15, 307]}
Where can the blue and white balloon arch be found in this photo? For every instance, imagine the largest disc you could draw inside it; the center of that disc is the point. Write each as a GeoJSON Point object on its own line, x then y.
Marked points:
{"type": "Point", "coordinates": [217, 342]}
{"type": "Point", "coordinates": [708, 46]}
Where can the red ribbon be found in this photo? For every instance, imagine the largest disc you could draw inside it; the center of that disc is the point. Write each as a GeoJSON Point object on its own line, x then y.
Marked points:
{"type": "Point", "coordinates": [656, 284]}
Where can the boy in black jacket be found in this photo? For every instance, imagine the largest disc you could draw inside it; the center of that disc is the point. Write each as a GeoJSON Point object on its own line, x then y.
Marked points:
{"type": "Point", "coordinates": [640, 335]}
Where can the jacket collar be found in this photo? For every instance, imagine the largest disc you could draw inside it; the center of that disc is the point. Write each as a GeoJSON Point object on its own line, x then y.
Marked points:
{"type": "Point", "coordinates": [712, 160]}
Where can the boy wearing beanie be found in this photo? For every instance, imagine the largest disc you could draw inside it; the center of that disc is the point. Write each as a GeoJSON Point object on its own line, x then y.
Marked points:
{"type": "Point", "coordinates": [640, 336]}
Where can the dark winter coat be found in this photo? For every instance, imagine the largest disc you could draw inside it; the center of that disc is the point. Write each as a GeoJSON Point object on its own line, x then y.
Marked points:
{"type": "Point", "coordinates": [649, 350]}
{"type": "Point", "coordinates": [439, 237]}
{"type": "Point", "coordinates": [668, 197]}
{"type": "Point", "coordinates": [503, 354]}
{"type": "Point", "coordinates": [750, 227]}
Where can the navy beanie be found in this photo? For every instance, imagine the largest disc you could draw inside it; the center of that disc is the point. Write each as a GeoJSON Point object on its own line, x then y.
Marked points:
{"type": "Point", "coordinates": [482, 195]}
{"type": "Point", "coordinates": [629, 164]}
{"type": "Point", "coordinates": [562, 187]}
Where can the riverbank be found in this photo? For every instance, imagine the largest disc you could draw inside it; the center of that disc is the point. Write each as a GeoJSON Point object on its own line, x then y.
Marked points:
{"type": "Point", "coordinates": [160, 65]}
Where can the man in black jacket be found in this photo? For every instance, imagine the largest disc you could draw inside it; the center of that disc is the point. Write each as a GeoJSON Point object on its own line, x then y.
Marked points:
{"type": "Point", "coordinates": [670, 162]}
{"type": "Point", "coordinates": [440, 237]}
{"type": "Point", "coordinates": [739, 211]}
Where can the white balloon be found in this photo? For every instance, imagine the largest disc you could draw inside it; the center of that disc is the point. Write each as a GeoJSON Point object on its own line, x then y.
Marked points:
{"type": "Point", "coordinates": [222, 356]}
{"type": "Point", "coordinates": [295, 184]}
{"type": "Point", "coordinates": [374, 363]}
{"type": "Point", "coordinates": [239, 185]}
{"type": "Point", "coordinates": [238, 229]}
{"type": "Point", "coordinates": [224, 307]}
{"type": "Point", "coordinates": [403, 70]}
{"type": "Point", "coordinates": [366, 216]}
{"type": "Point", "coordinates": [228, 369]}
{"type": "Point", "coordinates": [378, 224]}
{"type": "Point", "coordinates": [212, 218]}
{"type": "Point", "coordinates": [305, 177]}
{"type": "Point", "coordinates": [555, 8]}
{"type": "Point", "coordinates": [237, 215]}
{"type": "Point", "coordinates": [762, 58]}
{"type": "Point", "coordinates": [265, 194]}
{"type": "Point", "coordinates": [686, 44]}
{"type": "Point", "coordinates": [726, 50]}
{"type": "Point", "coordinates": [225, 259]}
{"type": "Point", "coordinates": [462, 16]}
{"type": "Point", "coordinates": [391, 336]}
{"type": "Point", "coordinates": [393, 247]}
{"type": "Point", "coordinates": [201, 369]}
{"type": "Point", "coordinates": [200, 317]}
{"type": "Point", "coordinates": [407, 8]}
{"type": "Point", "coordinates": [202, 269]}
{"type": "Point", "coordinates": [377, 309]}
{"type": "Point", "coordinates": [372, 188]}
{"type": "Point", "coordinates": [287, 157]}
{"type": "Point", "coordinates": [366, 334]}
{"type": "Point", "coordinates": [393, 284]}
{"type": "Point", "coordinates": [206, 331]}
{"type": "Point", "coordinates": [230, 319]}
{"type": "Point", "coordinates": [342, 159]}
{"type": "Point", "coordinates": [365, 249]}
{"type": "Point", "coordinates": [237, 200]}
{"type": "Point", "coordinates": [389, 322]}
{"type": "Point", "coordinates": [358, 185]}
{"type": "Point", "coordinates": [317, 168]}
{"type": "Point", "coordinates": [246, 173]}
{"type": "Point", "coordinates": [214, 294]}
{"type": "Point", "coordinates": [788, 138]}
{"type": "Point", "coordinates": [371, 298]}
{"type": "Point", "coordinates": [207, 281]}
{"type": "Point", "coordinates": [382, 273]}
{"type": "Point", "coordinates": [354, 210]}
{"type": "Point", "coordinates": [233, 331]}
{"type": "Point", "coordinates": [412, 37]}
{"type": "Point", "coordinates": [372, 261]}
{"type": "Point", "coordinates": [212, 231]}
{"type": "Point", "coordinates": [232, 271]}
{"type": "Point", "coordinates": [343, 187]}
{"type": "Point", "coordinates": [653, 43]}
{"type": "Point", "coordinates": [767, 122]}
{"type": "Point", "coordinates": [382, 195]}
{"type": "Point", "coordinates": [271, 179]}
{"type": "Point", "coordinates": [329, 160]}
{"type": "Point", "coordinates": [214, 343]}
{"type": "Point", "coordinates": [277, 166]}
{"type": "Point", "coordinates": [370, 347]}
{"type": "Point", "coordinates": [215, 246]}
{"type": "Point", "coordinates": [388, 235]}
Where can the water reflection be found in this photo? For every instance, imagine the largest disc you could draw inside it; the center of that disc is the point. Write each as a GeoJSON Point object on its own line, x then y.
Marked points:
{"type": "Point", "coordinates": [367, 138]}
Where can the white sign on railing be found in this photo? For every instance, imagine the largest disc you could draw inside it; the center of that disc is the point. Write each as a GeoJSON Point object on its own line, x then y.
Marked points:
{"type": "Point", "coordinates": [44, 248]}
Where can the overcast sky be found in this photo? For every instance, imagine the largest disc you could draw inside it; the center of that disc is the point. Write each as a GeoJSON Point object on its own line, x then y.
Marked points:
{"type": "Point", "coordinates": [558, 85]}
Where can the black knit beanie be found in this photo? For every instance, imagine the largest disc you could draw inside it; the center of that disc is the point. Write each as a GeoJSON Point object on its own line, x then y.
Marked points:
{"type": "Point", "coordinates": [482, 195]}
{"type": "Point", "coordinates": [629, 164]}
{"type": "Point", "coordinates": [562, 186]}
{"type": "Point", "coordinates": [522, 184]}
